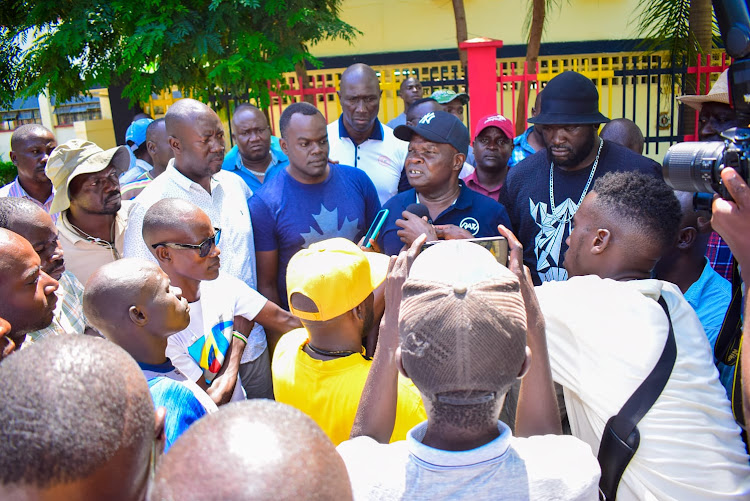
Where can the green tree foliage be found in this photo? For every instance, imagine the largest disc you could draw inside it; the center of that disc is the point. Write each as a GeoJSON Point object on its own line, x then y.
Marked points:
{"type": "Point", "coordinates": [205, 47]}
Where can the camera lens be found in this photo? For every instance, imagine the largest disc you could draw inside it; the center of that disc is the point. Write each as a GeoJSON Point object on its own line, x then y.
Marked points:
{"type": "Point", "coordinates": [693, 166]}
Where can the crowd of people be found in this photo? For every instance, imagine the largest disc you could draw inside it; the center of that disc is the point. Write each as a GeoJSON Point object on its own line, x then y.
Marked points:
{"type": "Point", "coordinates": [179, 321]}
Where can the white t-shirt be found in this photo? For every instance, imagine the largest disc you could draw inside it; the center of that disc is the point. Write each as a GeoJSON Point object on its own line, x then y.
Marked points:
{"type": "Point", "coordinates": [604, 338]}
{"type": "Point", "coordinates": [508, 468]}
{"type": "Point", "coordinates": [176, 375]}
{"type": "Point", "coordinates": [210, 331]}
{"type": "Point", "coordinates": [382, 160]}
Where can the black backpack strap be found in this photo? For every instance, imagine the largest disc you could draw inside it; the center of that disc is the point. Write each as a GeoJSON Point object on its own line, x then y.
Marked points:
{"type": "Point", "coordinates": [621, 438]}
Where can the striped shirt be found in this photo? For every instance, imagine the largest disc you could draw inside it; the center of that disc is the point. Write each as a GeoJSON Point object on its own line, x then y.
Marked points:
{"type": "Point", "coordinates": [68, 317]}
{"type": "Point", "coordinates": [14, 189]}
{"type": "Point", "coordinates": [137, 184]}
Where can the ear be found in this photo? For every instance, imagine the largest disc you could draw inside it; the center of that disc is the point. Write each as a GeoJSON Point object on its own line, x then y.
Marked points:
{"type": "Point", "coordinates": [174, 143]}
{"type": "Point", "coordinates": [160, 437]}
{"type": "Point", "coordinates": [704, 224]}
{"type": "Point", "coordinates": [601, 241]}
{"type": "Point", "coordinates": [13, 157]}
{"type": "Point", "coordinates": [137, 316]}
{"type": "Point", "coordinates": [686, 238]}
{"type": "Point", "coordinates": [400, 363]}
{"type": "Point", "coordinates": [526, 365]}
{"type": "Point", "coordinates": [151, 147]}
{"type": "Point", "coordinates": [359, 312]}
{"type": "Point", "coordinates": [338, 93]}
{"type": "Point", "coordinates": [458, 161]}
{"type": "Point", "coordinates": [162, 254]}
{"type": "Point", "coordinates": [284, 146]}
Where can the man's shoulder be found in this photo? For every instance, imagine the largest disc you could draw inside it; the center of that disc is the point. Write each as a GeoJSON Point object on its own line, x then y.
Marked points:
{"type": "Point", "coordinates": [565, 462]}
{"type": "Point", "coordinates": [5, 189]}
{"type": "Point", "coordinates": [626, 159]}
{"type": "Point", "coordinates": [286, 348]}
{"type": "Point", "coordinates": [401, 200]}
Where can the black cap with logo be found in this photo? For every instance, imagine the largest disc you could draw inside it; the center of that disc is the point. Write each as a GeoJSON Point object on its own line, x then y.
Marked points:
{"type": "Point", "coordinates": [438, 127]}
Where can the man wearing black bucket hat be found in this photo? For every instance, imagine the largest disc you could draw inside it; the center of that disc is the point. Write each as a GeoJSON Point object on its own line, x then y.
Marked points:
{"type": "Point", "coordinates": [438, 144]}
{"type": "Point", "coordinates": [543, 192]}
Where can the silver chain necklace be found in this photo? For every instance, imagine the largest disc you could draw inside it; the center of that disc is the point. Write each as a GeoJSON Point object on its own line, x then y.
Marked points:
{"type": "Point", "coordinates": [585, 189]}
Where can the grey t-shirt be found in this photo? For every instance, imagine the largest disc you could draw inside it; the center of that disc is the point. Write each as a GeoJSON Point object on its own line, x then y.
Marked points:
{"type": "Point", "coordinates": [544, 467]}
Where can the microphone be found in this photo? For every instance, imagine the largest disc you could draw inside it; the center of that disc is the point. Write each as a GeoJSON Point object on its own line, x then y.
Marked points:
{"type": "Point", "coordinates": [419, 210]}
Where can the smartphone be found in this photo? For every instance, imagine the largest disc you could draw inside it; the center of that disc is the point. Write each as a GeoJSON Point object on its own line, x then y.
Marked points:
{"type": "Point", "coordinates": [375, 227]}
{"type": "Point", "coordinates": [498, 246]}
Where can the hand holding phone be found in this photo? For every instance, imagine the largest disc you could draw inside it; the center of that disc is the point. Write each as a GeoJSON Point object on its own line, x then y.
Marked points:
{"type": "Point", "coordinates": [377, 224]}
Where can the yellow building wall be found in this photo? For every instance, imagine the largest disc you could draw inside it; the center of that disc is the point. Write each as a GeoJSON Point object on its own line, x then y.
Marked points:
{"type": "Point", "coordinates": [406, 25]}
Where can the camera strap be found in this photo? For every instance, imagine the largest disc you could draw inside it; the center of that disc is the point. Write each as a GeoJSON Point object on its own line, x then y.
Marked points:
{"type": "Point", "coordinates": [727, 345]}
{"type": "Point", "coordinates": [621, 437]}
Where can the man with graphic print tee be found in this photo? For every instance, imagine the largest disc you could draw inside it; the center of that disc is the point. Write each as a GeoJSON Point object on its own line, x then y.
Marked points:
{"type": "Point", "coordinates": [311, 200]}
{"type": "Point", "coordinates": [543, 192]}
{"type": "Point", "coordinates": [437, 151]}
{"type": "Point", "coordinates": [222, 308]}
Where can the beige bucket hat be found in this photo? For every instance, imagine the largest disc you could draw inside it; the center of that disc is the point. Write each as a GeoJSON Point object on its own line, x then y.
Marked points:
{"type": "Point", "coordinates": [719, 93]}
{"type": "Point", "coordinates": [77, 157]}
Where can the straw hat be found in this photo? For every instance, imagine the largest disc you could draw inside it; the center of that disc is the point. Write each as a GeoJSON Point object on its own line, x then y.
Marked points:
{"type": "Point", "coordinates": [719, 93]}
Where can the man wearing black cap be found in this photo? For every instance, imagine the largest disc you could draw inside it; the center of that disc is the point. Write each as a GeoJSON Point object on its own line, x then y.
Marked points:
{"type": "Point", "coordinates": [437, 150]}
{"type": "Point", "coordinates": [543, 192]}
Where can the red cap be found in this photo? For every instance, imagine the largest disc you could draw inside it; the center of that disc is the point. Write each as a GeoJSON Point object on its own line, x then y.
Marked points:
{"type": "Point", "coordinates": [498, 121]}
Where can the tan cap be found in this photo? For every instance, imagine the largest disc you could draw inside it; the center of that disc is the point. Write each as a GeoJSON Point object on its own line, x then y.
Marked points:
{"type": "Point", "coordinates": [719, 93]}
{"type": "Point", "coordinates": [462, 324]}
{"type": "Point", "coordinates": [76, 157]}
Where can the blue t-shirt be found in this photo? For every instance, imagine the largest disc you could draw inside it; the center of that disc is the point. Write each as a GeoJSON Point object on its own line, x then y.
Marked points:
{"type": "Point", "coordinates": [710, 296]}
{"type": "Point", "coordinates": [471, 211]}
{"type": "Point", "coordinates": [183, 408]}
{"type": "Point", "coordinates": [288, 215]}
{"type": "Point", "coordinates": [233, 163]}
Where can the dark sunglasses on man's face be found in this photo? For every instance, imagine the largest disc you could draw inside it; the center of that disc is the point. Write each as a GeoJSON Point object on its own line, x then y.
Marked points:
{"type": "Point", "coordinates": [204, 247]}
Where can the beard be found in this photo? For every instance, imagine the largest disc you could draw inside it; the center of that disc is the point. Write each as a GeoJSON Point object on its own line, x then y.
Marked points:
{"type": "Point", "coordinates": [577, 156]}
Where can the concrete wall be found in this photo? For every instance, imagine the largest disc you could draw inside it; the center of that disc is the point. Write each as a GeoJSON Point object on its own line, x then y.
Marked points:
{"type": "Point", "coordinates": [406, 25]}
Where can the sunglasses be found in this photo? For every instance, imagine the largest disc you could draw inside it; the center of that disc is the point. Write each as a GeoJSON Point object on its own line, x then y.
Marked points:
{"type": "Point", "coordinates": [204, 247]}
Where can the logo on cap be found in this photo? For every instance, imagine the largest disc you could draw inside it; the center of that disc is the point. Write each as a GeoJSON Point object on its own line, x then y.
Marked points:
{"type": "Point", "coordinates": [427, 118]}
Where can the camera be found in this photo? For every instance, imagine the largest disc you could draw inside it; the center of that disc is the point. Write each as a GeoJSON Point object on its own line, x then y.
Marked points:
{"type": "Point", "coordinates": [697, 166]}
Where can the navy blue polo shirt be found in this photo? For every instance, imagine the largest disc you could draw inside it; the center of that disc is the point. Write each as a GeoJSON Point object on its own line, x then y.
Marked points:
{"type": "Point", "coordinates": [472, 211]}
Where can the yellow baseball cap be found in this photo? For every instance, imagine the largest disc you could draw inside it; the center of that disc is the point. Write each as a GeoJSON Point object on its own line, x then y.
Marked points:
{"type": "Point", "coordinates": [336, 275]}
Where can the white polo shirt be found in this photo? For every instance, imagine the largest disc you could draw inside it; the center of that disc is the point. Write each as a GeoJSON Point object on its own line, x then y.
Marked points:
{"type": "Point", "coordinates": [381, 156]}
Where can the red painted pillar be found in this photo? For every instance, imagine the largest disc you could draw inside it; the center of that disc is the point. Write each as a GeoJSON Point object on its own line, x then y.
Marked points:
{"type": "Point", "coordinates": [482, 77]}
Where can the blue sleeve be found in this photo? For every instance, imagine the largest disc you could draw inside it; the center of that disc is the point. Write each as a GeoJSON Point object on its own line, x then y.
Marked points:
{"type": "Point", "coordinates": [372, 202]}
{"type": "Point", "coordinates": [183, 409]}
{"type": "Point", "coordinates": [388, 240]}
{"type": "Point", "coordinates": [264, 225]}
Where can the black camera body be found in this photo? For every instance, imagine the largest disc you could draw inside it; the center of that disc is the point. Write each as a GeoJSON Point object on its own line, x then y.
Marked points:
{"type": "Point", "coordinates": [697, 166]}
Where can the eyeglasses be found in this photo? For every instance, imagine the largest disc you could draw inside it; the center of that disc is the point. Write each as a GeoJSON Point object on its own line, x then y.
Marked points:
{"type": "Point", "coordinates": [204, 247]}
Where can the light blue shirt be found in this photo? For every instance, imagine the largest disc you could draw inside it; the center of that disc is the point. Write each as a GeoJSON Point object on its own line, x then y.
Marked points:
{"type": "Point", "coordinates": [521, 148]}
{"type": "Point", "coordinates": [710, 296]}
{"type": "Point", "coordinates": [233, 163]}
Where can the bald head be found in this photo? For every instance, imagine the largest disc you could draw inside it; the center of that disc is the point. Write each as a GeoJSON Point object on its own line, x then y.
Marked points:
{"type": "Point", "coordinates": [624, 132]}
{"type": "Point", "coordinates": [273, 451]}
{"type": "Point", "coordinates": [196, 137]}
{"type": "Point", "coordinates": [359, 72]}
{"type": "Point", "coordinates": [113, 288]}
{"type": "Point", "coordinates": [27, 132]}
{"type": "Point", "coordinates": [78, 422]}
{"type": "Point", "coordinates": [168, 217]}
{"type": "Point", "coordinates": [420, 108]}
